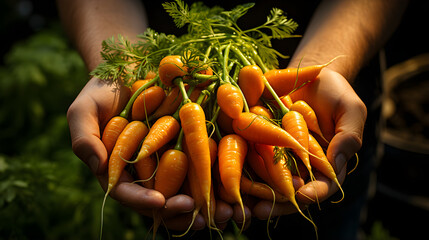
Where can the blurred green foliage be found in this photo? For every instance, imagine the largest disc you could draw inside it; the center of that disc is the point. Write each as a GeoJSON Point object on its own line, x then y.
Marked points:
{"type": "Point", "coordinates": [46, 192]}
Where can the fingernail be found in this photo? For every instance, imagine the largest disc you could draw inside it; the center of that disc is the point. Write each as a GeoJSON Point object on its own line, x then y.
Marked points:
{"type": "Point", "coordinates": [93, 164]}
{"type": "Point", "coordinates": [340, 161]}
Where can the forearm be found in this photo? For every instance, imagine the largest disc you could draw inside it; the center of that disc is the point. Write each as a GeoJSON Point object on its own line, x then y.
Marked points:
{"type": "Point", "coordinates": [89, 22]}
{"type": "Point", "coordinates": [354, 28]}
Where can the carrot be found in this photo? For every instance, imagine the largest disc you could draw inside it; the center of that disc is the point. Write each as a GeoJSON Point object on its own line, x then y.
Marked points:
{"type": "Point", "coordinates": [117, 124]}
{"type": "Point", "coordinates": [145, 169]}
{"type": "Point", "coordinates": [224, 122]}
{"type": "Point", "coordinates": [287, 101]}
{"type": "Point", "coordinates": [171, 172]}
{"type": "Point", "coordinates": [251, 83]}
{"type": "Point", "coordinates": [284, 81]}
{"type": "Point", "coordinates": [281, 175]}
{"type": "Point", "coordinates": [256, 162]}
{"type": "Point", "coordinates": [260, 190]}
{"type": "Point", "coordinates": [150, 75]}
{"type": "Point", "coordinates": [322, 163]}
{"type": "Point", "coordinates": [257, 129]}
{"type": "Point", "coordinates": [162, 131]}
{"type": "Point", "coordinates": [261, 110]}
{"type": "Point", "coordinates": [169, 105]}
{"type": "Point", "coordinates": [232, 152]}
{"type": "Point", "coordinates": [169, 177]}
{"type": "Point", "coordinates": [137, 84]}
{"type": "Point", "coordinates": [125, 147]}
{"type": "Point", "coordinates": [230, 100]}
{"type": "Point", "coordinates": [309, 116]}
{"type": "Point", "coordinates": [294, 123]}
{"type": "Point", "coordinates": [112, 131]}
{"type": "Point", "coordinates": [147, 102]}
{"type": "Point", "coordinates": [193, 123]}
{"type": "Point", "coordinates": [207, 71]}
{"type": "Point", "coordinates": [213, 151]}
{"type": "Point", "coordinates": [170, 68]}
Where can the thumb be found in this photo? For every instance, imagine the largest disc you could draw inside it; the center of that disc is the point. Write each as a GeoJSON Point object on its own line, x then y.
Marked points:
{"type": "Point", "coordinates": [85, 134]}
{"type": "Point", "coordinates": [349, 126]}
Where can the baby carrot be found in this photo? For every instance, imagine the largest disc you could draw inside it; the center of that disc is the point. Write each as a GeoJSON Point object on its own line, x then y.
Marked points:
{"type": "Point", "coordinates": [147, 102]}
{"type": "Point", "coordinates": [257, 129]}
{"type": "Point", "coordinates": [309, 115]}
{"type": "Point", "coordinates": [284, 81]}
{"type": "Point", "coordinates": [232, 152]}
{"type": "Point", "coordinates": [230, 100]}
{"type": "Point", "coordinates": [112, 131]}
{"type": "Point", "coordinates": [162, 131]}
{"type": "Point", "coordinates": [193, 123]}
{"type": "Point", "coordinates": [250, 80]}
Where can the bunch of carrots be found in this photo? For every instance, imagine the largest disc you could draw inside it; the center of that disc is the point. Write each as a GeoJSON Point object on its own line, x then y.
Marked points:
{"type": "Point", "coordinates": [218, 129]}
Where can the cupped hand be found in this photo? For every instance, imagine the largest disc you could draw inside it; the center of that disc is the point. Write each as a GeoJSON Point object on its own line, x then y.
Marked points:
{"type": "Point", "coordinates": [95, 105]}
{"type": "Point", "coordinates": [342, 115]}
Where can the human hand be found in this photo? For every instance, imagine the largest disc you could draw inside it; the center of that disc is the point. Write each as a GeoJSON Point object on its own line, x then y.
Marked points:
{"type": "Point", "coordinates": [341, 116]}
{"type": "Point", "coordinates": [96, 104]}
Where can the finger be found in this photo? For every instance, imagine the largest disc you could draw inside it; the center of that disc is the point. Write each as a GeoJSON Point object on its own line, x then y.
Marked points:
{"type": "Point", "coordinates": [135, 196]}
{"type": "Point", "coordinates": [182, 222]}
{"type": "Point", "coordinates": [263, 210]}
{"type": "Point", "coordinates": [85, 134]}
{"type": "Point", "coordinates": [320, 189]}
{"type": "Point", "coordinates": [223, 213]}
{"type": "Point", "coordinates": [177, 205]}
{"type": "Point", "coordinates": [238, 216]}
{"type": "Point", "coordinates": [349, 125]}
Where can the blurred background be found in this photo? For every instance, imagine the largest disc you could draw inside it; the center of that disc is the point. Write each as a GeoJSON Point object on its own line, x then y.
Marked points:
{"type": "Point", "coordinates": [46, 192]}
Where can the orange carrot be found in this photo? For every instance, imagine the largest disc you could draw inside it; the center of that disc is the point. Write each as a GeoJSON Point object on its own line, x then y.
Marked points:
{"type": "Point", "coordinates": [257, 129]}
{"type": "Point", "coordinates": [281, 175]}
{"type": "Point", "coordinates": [232, 152]}
{"type": "Point", "coordinates": [230, 100]}
{"type": "Point", "coordinates": [150, 75]}
{"type": "Point", "coordinates": [145, 169]}
{"type": "Point", "coordinates": [287, 101]}
{"type": "Point", "coordinates": [260, 190]}
{"type": "Point", "coordinates": [284, 81]}
{"type": "Point", "coordinates": [147, 102]}
{"type": "Point", "coordinates": [171, 172]}
{"type": "Point", "coordinates": [193, 123]}
{"type": "Point", "coordinates": [213, 151]}
{"type": "Point", "coordinates": [162, 131]}
{"type": "Point", "coordinates": [169, 105]}
{"type": "Point", "coordinates": [251, 83]}
{"type": "Point", "coordinates": [309, 115]}
{"type": "Point", "coordinates": [170, 68]}
{"type": "Point", "coordinates": [112, 131]}
{"type": "Point", "coordinates": [257, 164]}
{"type": "Point", "coordinates": [321, 162]}
{"type": "Point", "coordinates": [125, 147]}
{"type": "Point", "coordinates": [137, 84]}
{"type": "Point", "coordinates": [224, 122]}
{"type": "Point", "coordinates": [261, 110]}
{"type": "Point", "coordinates": [294, 123]}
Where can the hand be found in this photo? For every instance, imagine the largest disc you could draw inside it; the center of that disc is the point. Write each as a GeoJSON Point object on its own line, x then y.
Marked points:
{"type": "Point", "coordinates": [341, 115]}
{"type": "Point", "coordinates": [99, 101]}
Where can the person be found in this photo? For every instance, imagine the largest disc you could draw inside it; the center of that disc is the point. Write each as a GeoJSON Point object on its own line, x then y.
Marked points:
{"type": "Point", "coordinates": [354, 28]}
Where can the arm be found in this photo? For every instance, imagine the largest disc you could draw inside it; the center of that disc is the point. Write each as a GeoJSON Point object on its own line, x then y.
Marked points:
{"type": "Point", "coordinates": [88, 23]}
{"type": "Point", "coordinates": [356, 29]}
